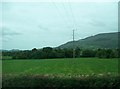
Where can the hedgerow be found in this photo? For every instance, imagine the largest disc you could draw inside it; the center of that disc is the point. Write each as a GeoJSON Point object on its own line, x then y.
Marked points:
{"type": "Point", "coordinates": [58, 82]}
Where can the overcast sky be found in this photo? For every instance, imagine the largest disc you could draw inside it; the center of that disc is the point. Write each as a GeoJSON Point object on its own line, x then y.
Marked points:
{"type": "Point", "coordinates": [26, 25]}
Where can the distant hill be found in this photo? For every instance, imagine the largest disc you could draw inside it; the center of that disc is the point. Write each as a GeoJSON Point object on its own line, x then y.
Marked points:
{"type": "Point", "coordinates": [103, 40]}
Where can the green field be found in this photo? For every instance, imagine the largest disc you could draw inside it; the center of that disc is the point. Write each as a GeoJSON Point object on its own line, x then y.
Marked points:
{"type": "Point", "coordinates": [68, 66]}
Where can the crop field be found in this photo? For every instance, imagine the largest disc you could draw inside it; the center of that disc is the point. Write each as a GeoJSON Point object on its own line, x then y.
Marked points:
{"type": "Point", "coordinates": [61, 66]}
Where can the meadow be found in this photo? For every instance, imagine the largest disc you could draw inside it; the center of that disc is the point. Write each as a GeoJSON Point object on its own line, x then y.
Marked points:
{"type": "Point", "coordinates": [69, 72]}
{"type": "Point", "coordinates": [68, 66]}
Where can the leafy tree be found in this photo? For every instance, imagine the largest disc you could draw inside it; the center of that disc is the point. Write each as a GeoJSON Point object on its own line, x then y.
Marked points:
{"type": "Point", "coordinates": [101, 53]}
{"type": "Point", "coordinates": [77, 52]}
{"type": "Point", "coordinates": [34, 49]}
{"type": "Point", "coordinates": [88, 53]}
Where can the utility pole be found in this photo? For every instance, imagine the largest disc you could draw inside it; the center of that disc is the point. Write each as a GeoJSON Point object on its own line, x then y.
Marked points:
{"type": "Point", "coordinates": [73, 45]}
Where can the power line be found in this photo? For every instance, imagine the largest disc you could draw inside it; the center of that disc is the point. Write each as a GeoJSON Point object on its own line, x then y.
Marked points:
{"type": "Point", "coordinates": [60, 14]}
{"type": "Point", "coordinates": [74, 25]}
{"type": "Point", "coordinates": [67, 14]}
{"type": "Point", "coordinates": [67, 19]}
{"type": "Point", "coordinates": [72, 14]}
{"type": "Point", "coordinates": [72, 20]}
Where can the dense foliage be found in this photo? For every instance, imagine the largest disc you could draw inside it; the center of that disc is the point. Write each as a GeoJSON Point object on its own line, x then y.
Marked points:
{"type": "Point", "coordinates": [39, 81]}
{"type": "Point", "coordinates": [49, 52]}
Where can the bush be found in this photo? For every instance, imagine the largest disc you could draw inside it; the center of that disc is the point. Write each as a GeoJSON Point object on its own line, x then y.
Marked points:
{"type": "Point", "coordinates": [42, 81]}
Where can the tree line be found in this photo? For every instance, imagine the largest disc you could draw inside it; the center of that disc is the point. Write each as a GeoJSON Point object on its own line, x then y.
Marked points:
{"type": "Point", "coordinates": [49, 52]}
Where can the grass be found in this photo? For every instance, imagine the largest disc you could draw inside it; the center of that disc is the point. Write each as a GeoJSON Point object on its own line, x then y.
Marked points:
{"type": "Point", "coordinates": [70, 66]}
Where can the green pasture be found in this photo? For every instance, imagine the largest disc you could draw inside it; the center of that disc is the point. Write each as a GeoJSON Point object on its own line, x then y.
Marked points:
{"type": "Point", "coordinates": [63, 66]}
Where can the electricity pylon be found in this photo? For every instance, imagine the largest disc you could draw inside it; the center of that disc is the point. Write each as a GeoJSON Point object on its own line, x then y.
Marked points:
{"type": "Point", "coordinates": [73, 45]}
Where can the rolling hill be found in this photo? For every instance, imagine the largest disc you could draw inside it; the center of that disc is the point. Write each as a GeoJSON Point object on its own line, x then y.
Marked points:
{"type": "Point", "coordinates": [103, 40]}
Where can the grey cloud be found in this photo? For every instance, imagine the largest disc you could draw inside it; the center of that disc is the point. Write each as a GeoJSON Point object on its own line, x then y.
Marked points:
{"type": "Point", "coordinates": [6, 6]}
{"type": "Point", "coordinates": [43, 27]}
{"type": "Point", "coordinates": [97, 23]}
{"type": "Point", "coordinates": [8, 32]}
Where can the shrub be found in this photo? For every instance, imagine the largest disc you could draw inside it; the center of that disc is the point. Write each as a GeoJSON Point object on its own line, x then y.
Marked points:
{"type": "Point", "coordinates": [42, 81]}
